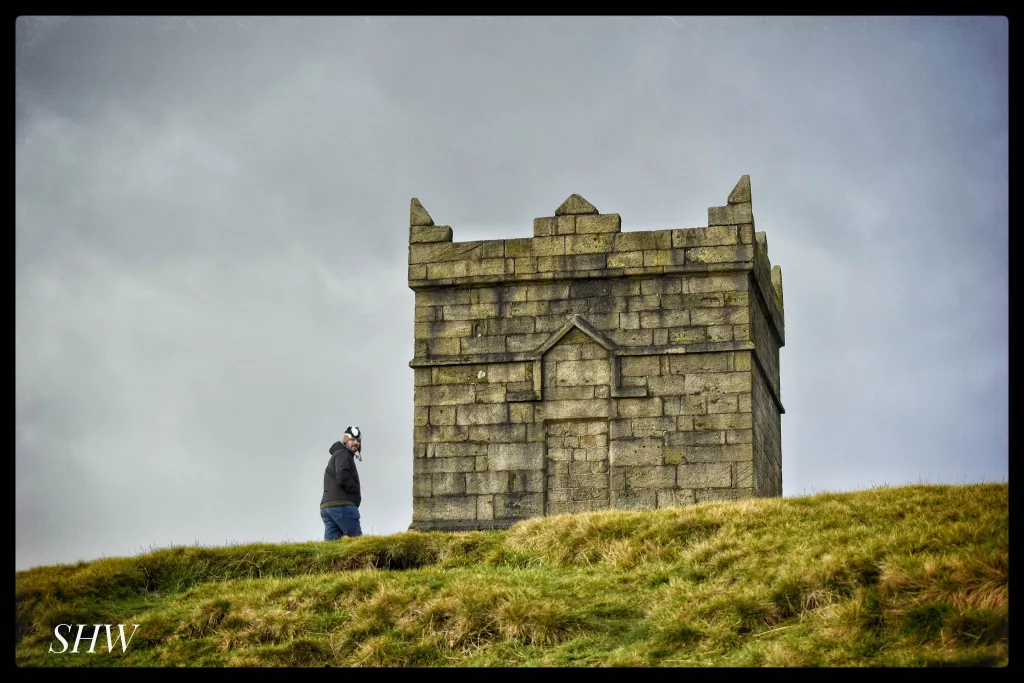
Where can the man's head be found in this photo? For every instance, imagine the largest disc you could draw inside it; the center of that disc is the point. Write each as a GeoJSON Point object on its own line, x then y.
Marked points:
{"type": "Point", "coordinates": [352, 439]}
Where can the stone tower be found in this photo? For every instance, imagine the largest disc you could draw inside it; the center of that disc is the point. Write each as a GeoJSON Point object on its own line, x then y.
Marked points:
{"type": "Point", "coordinates": [587, 368]}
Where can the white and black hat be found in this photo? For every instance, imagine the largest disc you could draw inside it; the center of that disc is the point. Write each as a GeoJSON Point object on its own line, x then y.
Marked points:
{"type": "Point", "coordinates": [353, 433]}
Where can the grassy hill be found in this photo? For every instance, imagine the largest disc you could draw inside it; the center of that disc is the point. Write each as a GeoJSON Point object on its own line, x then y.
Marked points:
{"type": "Point", "coordinates": [907, 576]}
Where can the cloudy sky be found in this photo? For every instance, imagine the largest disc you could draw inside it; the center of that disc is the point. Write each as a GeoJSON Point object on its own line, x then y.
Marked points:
{"type": "Point", "coordinates": [212, 221]}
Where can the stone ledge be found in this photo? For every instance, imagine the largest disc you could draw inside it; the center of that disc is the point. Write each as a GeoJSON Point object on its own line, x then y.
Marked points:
{"type": "Point", "coordinates": [531, 356]}
{"type": "Point", "coordinates": [701, 347]}
{"type": "Point", "coordinates": [421, 285]}
{"type": "Point", "coordinates": [466, 525]}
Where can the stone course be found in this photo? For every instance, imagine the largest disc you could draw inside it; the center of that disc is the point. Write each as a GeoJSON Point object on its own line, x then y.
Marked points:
{"type": "Point", "coordinates": [586, 368]}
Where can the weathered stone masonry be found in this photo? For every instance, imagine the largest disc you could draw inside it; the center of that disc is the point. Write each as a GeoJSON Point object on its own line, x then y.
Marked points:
{"type": "Point", "coordinates": [588, 368]}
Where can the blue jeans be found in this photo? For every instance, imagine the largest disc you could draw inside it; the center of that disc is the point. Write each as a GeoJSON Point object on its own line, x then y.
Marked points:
{"type": "Point", "coordinates": [340, 520]}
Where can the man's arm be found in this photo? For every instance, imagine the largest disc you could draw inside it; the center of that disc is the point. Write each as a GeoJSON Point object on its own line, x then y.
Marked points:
{"type": "Point", "coordinates": [343, 471]}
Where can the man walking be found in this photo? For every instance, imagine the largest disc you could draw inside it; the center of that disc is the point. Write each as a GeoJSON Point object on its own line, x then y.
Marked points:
{"type": "Point", "coordinates": [339, 507]}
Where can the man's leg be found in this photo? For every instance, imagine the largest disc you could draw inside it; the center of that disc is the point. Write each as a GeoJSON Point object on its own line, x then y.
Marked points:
{"type": "Point", "coordinates": [331, 529]}
{"type": "Point", "coordinates": [350, 520]}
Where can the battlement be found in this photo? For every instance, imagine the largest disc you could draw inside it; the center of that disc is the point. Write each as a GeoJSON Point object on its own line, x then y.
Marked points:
{"type": "Point", "coordinates": [578, 242]}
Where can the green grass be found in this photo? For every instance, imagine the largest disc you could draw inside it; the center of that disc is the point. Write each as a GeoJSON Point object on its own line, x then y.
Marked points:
{"type": "Point", "coordinates": [893, 576]}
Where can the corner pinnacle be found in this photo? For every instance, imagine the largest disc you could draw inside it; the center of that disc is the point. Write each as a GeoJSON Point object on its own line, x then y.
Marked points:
{"type": "Point", "coordinates": [741, 193]}
{"type": "Point", "coordinates": [418, 215]}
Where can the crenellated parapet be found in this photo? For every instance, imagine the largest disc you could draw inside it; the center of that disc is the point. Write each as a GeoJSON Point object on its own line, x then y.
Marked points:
{"type": "Point", "coordinates": [575, 243]}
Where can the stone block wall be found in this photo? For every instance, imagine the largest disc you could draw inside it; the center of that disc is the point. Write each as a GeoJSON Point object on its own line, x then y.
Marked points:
{"type": "Point", "coordinates": [587, 368]}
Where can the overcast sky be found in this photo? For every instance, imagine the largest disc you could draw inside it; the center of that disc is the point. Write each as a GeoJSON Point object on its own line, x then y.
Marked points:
{"type": "Point", "coordinates": [212, 222]}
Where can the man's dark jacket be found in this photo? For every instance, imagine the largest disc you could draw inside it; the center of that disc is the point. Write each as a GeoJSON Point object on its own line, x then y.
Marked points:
{"type": "Point", "coordinates": [341, 479]}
